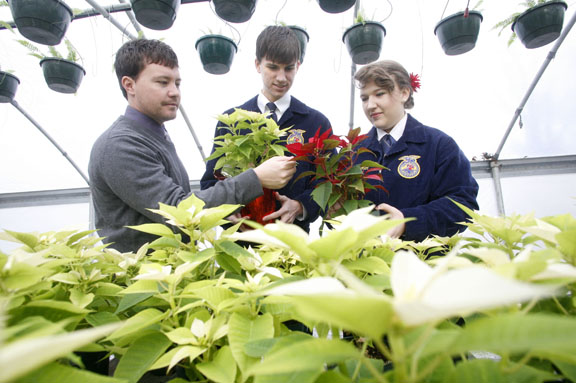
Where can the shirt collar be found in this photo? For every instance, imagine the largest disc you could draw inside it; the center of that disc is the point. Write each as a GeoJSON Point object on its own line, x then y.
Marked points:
{"type": "Point", "coordinates": [397, 131]}
{"type": "Point", "coordinates": [282, 104]}
{"type": "Point", "coordinates": [143, 120]}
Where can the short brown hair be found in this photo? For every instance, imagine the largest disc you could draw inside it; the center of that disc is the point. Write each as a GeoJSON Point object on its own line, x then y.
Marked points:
{"type": "Point", "coordinates": [279, 44]}
{"type": "Point", "coordinates": [386, 74]}
{"type": "Point", "coordinates": [134, 55]}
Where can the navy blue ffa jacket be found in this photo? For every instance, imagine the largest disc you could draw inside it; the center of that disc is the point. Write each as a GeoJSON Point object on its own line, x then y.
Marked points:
{"type": "Point", "coordinates": [426, 170]}
{"type": "Point", "coordinates": [304, 121]}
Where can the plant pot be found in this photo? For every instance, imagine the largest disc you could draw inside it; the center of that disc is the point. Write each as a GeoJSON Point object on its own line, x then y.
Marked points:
{"type": "Point", "coordinates": [364, 41]}
{"type": "Point", "coordinates": [336, 6]}
{"type": "Point", "coordinates": [42, 21]}
{"type": "Point", "coordinates": [156, 14]}
{"type": "Point", "coordinates": [216, 53]}
{"type": "Point", "coordinates": [458, 34]}
{"type": "Point", "coordinates": [235, 11]}
{"type": "Point", "coordinates": [8, 85]}
{"type": "Point", "coordinates": [260, 207]}
{"type": "Point", "coordinates": [61, 75]}
{"type": "Point", "coordinates": [540, 25]}
{"type": "Point", "coordinates": [303, 38]}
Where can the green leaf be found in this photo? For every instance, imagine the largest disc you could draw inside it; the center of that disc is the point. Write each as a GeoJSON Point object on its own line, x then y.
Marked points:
{"type": "Point", "coordinates": [242, 330]}
{"type": "Point", "coordinates": [80, 299]}
{"type": "Point", "coordinates": [567, 242]}
{"type": "Point", "coordinates": [101, 318]}
{"type": "Point", "coordinates": [21, 276]}
{"type": "Point", "coordinates": [222, 369]}
{"type": "Point", "coordinates": [490, 371]}
{"type": "Point", "coordinates": [567, 369]}
{"type": "Point", "coordinates": [372, 265]}
{"type": "Point", "coordinates": [321, 194]}
{"type": "Point", "coordinates": [130, 300]}
{"type": "Point", "coordinates": [215, 295]}
{"type": "Point", "coordinates": [15, 360]}
{"type": "Point", "coordinates": [228, 263]}
{"type": "Point", "coordinates": [58, 373]}
{"type": "Point", "coordinates": [215, 216]}
{"type": "Point", "coordinates": [141, 355]}
{"type": "Point", "coordinates": [155, 229]}
{"type": "Point", "coordinates": [308, 355]}
{"type": "Point", "coordinates": [29, 240]}
{"type": "Point", "coordinates": [175, 355]}
{"type": "Point", "coordinates": [139, 322]}
{"type": "Point", "coordinates": [335, 243]}
{"type": "Point", "coordinates": [141, 286]}
{"type": "Point", "coordinates": [294, 377]}
{"type": "Point", "coordinates": [366, 315]}
{"type": "Point", "coordinates": [515, 333]}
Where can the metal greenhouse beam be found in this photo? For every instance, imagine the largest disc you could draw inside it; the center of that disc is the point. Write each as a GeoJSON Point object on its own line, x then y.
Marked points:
{"type": "Point", "coordinates": [17, 106]}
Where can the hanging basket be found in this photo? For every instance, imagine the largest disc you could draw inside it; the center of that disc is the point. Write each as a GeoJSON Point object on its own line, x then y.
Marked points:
{"type": "Point", "coordinates": [156, 14]}
{"type": "Point", "coordinates": [458, 34]}
{"type": "Point", "coordinates": [235, 11]}
{"type": "Point", "coordinates": [364, 41]}
{"type": "Point", "coordinates": [303, 38]}
{"type": "Point", "coordinates": [216, 53]}
{"type": "Point", "coordinates": [61, 75]}
{"type": "Point", "coordinates": [42, 21]}
{"type": "Point", "coordinates": [8, 85]}
{"type": "Point", "coordinates": [540, 25]}
{"type": "Point", "coordinates": [260, 207]}
{"type": "Point", "coordinates": [336, 6]}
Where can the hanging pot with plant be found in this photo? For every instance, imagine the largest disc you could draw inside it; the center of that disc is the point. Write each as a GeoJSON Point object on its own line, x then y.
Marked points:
{"type": "Point", "coordinates": [42, 21]}
{"type": "Point", "coordinates": [541, 24]}
{"type": "Point", "coordinates": [458, 33]}
{"type": "Point", "coordinates": [61, 75]}
{"type": "Point", "coordinates": [303, 38]}
{"type": "Point", "coordinates": [336, 6]}
{"type": "Point", "coordinates": [364, 41]}
{"type": "Point", "coordinates": [216, 53]}
{"type": "Point", "coordinates": [235, 11]}
{"type": "Point", "coordinates": [8, 86]}
{"type": "Point", "coordinates": [156, 14]}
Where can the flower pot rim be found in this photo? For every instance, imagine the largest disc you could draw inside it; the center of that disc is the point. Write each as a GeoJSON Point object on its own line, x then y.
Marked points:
{"type": "Point", "coordinates": [218, 37]}
{"type": "Point", "coordinates": [300, 29]}
{"type": "Point", "coordinates": [68, 8]}
{"type": "Point", "coordinates": [2, 74]}
{"type": "Point", "coordinates": [458, 14]}
{"type": "Point", "coordinates": [536, 7]}
{"type": "Point", "coordinates": [359, 25]}
{"type": "Point", "coordinates": [61, 59]}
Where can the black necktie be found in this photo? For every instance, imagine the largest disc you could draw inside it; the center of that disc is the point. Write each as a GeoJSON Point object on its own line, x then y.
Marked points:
{"type": "Point", "coordinates": [386, 142]}
{"type": "Point", "coordinates": [272, 107]}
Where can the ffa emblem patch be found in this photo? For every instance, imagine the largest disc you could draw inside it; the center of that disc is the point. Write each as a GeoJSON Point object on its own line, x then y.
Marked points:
{"type": "Point", "coordinates": [409, 167]}
{"type": "Point", "coordinates": [295, 136]}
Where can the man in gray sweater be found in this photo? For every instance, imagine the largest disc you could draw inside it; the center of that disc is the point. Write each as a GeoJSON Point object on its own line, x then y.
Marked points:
{"type": "Point", "coordinates": [134, 165]}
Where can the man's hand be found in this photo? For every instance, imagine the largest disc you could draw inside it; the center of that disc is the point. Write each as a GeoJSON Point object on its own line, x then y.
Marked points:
{"type": "Point", "coordinates": [237, 217]}
{"type": "Point", "coordinates": [276, 172]}
{"type": "Point", "coordinates": [394, 213]}
{"type": "Point", "coordinates": [289, 211]}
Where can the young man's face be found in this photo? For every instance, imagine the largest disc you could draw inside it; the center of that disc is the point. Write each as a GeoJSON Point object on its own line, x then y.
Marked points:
{"type": "Point", "coordinates": [384, 109]}
{"type": "Point", "coordinates": [155, 92]}
{"type": "Point", "coordinates": [277, 78]}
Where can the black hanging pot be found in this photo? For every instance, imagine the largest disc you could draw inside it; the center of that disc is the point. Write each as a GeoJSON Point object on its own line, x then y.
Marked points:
{"type": "Point", "coordinates": [364, 41]}
{"type": "Point", "coordinates": [303, 38]}
{"type": "Point", "coordinates": [155, 14]}
{"type": "Point", "coordinates": [42, 21]}
{"type": "Point", "coordinates": [235, 11]}
{"type": "Point", "coordinates": [61, 75]}
{"type": "Point", "coordinates": [336, 6]}
{"type": "Point", "coordinates": [458, 33]}
{"type": "Point", "coordinates": [540, 25]}
{"type": "Point", "coordinates": [8, 85]}
{"type": "Point", "coordinates": [216, 53]}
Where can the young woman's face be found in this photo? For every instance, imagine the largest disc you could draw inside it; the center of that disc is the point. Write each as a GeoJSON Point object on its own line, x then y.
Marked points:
{"type": "Point", "coordinates": [383, 108]}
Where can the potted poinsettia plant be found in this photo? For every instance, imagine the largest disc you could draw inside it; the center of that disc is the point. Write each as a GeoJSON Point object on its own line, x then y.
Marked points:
{"type": "Point", "coordinates": [341, 181]}
{"type": "Point", "coordinates": [250, 139]}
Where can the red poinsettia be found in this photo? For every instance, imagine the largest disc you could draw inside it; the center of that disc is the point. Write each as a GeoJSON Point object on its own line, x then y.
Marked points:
{"type": "Point", "coordinates": [341, 181]}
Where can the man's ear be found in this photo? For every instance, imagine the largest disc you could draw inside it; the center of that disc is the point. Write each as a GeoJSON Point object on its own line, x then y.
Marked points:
{"type": "Point", "coordinates": [257, 64]}
{"type": "Point", "coordinates": [128, 85]}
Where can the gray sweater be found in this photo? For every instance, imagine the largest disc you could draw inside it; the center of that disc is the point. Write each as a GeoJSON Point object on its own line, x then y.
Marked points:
{"type": "Point", "coordinates": [132, 168]}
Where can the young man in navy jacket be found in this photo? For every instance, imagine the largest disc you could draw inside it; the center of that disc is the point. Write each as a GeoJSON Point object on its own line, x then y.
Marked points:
{"type": "Point", "coordinates": [277, 61]}
{"type": "Point", "coordinates": [427, 169]}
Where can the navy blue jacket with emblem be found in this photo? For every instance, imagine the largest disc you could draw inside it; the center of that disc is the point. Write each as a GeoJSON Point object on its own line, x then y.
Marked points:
{"type": "Point", "coordinates": [426, 170]}
{"type": "Point", "coordinates": [299, 117]}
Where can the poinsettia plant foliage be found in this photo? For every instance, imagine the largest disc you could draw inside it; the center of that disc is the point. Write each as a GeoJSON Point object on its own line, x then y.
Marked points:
{"type": "Point", "coordinates": [342, 182]}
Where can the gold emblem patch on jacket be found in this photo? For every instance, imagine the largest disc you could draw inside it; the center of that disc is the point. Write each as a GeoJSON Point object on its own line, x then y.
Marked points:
{"type": "Point", "coordinates": [409, 167]}
{"type": "Point", "coordinates": [295, 136]}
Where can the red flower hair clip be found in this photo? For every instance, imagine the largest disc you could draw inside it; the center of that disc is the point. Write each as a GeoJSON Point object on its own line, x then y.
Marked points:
{"type": "Point", "coordinates": [414, 82]}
